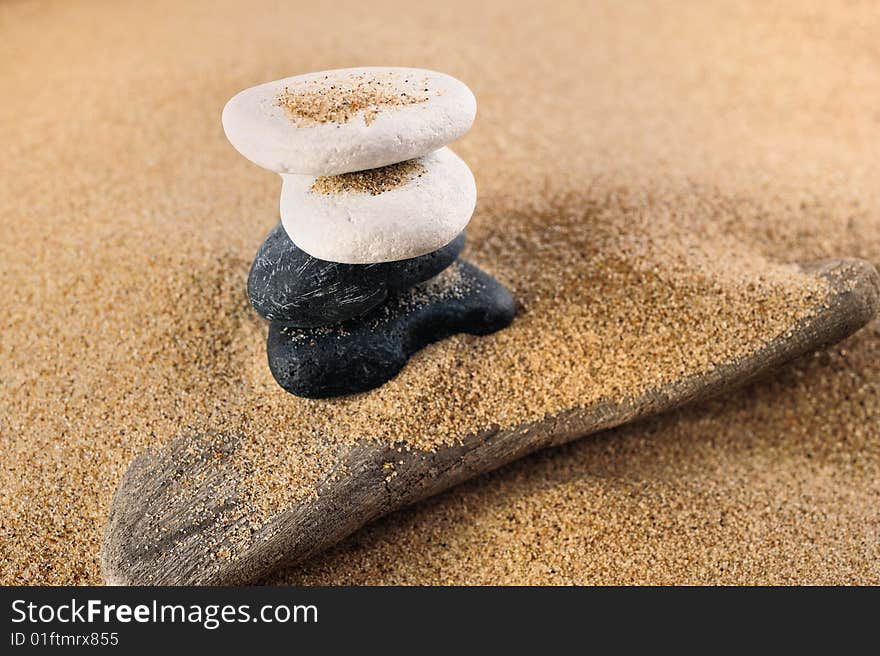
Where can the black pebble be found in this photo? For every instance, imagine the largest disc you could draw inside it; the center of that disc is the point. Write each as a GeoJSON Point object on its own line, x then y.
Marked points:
{"type": "Point", "coordinates": [288, 286]}
{"type": "Point", "coordinates": [360, 355]}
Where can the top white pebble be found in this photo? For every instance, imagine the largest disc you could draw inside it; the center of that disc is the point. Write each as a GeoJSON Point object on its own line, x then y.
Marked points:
{"type": "Point", "coordinates": [349, 119]}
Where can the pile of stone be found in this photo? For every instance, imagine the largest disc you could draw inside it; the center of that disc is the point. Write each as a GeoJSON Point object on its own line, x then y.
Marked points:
{"type": "Point", "coordinates": [363, 269]}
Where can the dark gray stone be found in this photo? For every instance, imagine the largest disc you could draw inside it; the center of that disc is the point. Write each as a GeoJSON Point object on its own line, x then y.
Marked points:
{"type": "Point", "coordinates": [361, 354]}
{"type": "Point", "coordinates": [290, 287]}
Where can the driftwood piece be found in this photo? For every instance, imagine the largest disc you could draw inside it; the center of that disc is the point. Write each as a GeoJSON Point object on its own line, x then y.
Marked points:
{"type": "Point", "coordinates": [153, 538]}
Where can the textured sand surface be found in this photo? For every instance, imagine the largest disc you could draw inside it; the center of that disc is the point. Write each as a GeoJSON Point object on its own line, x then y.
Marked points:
{"type": "Point", "coordinates": [715, 136]}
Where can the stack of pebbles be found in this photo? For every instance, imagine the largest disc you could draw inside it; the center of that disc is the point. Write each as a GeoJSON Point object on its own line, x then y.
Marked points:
{"type": "Point", "coordinates": [363, 269]}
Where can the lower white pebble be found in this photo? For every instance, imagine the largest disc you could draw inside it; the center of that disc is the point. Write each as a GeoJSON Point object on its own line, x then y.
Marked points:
{"type": "Point", "coordinates": [354, 226]}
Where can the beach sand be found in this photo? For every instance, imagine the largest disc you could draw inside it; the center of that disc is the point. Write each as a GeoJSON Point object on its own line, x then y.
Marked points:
{"type": "Point", "coordinates": [646, 174]}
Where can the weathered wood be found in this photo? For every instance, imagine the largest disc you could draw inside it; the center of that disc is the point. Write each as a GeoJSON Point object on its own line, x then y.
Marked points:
{"type": "Point", "coordinates": [153, 538]}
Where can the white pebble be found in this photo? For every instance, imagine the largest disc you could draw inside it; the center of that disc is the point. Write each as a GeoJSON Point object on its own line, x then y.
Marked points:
{"type": "Point", "coordinates": [358, 227]}
{"type": "Point", "coordinates": [317, 135]}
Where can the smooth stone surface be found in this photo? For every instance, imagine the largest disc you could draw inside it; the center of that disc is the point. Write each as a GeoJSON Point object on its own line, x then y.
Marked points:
{"type": "Point", "coordinates": [364, 353]}
{"type": "Point", "coordinates": [290, 287]}
{"type": "Point", "coordinates": [264, 132]}
{"type": "Point", "coordinates": [356, 227]}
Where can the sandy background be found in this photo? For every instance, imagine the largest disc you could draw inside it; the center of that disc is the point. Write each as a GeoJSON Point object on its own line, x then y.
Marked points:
{"type": "Point", "coordinates": [128, 225]}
